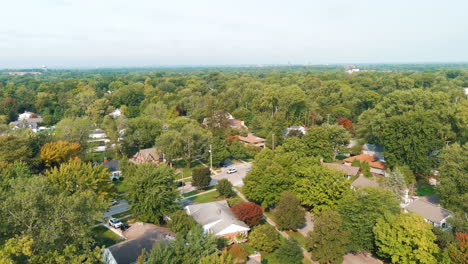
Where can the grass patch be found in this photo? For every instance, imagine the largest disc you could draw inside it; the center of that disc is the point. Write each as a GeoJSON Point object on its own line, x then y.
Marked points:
{"type": "Point", "coordinates": [298, 237]}
{"type": "Point", "coordinates": [425, 189]}
{"type": "Point", "coordinates": [198, 191]}
{"type": "Point", "coordinates": [214, 196]}
{"type": "Point", "coordinates": [105, 237]}
{"type": "Point", "coordinates": [122, 214]}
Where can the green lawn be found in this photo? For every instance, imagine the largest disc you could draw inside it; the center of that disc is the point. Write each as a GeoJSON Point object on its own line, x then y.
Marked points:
{"type": "Point", "coordinates": [214, 196]}
{"type": "Point", "coordinates": [185, 172]}
{"type": "Point", "coordinates": [298, 237]}
{"type": "Point", "coordinates": [425, 189]}
{"type": "Point", "coordinates": [198, 191]}
{"type": "Point", "coordinates": [105, 237]}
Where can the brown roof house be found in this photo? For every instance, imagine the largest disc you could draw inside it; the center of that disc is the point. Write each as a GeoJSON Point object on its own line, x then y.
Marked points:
{"type": "Point", "coordinates": [140, 236]}
{"type": "Point", "coordinates": [252, 140]}
{"type": "Point", "coordinates": [217, 218]}
{"type": "Point", "coordinates": [376, 166]}
{"type": "Point", "coordinates": [223, 119]}
{"type": "Point", "coordinates": [362, 182]}
{"type": "Point", "coordinates": [149, 155]}
{"type": "Point", "coordinates": [348, 171]}
{"type": "Point", "coordinates": [432, 213]}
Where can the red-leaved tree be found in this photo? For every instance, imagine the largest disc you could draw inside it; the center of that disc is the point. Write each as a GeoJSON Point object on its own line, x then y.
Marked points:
{"type": "Point", "coordinates": [249, 212]}
{"type": "Point", "coordinates": [459, 251]}
{"type": "Point", "coordinates": [344, 122]}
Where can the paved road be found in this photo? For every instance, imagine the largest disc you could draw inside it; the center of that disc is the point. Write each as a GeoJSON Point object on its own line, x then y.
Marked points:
{"type": "Point", "coordinates": [234, 178]}
{"type": "Point", "coordinates": [121, 207]}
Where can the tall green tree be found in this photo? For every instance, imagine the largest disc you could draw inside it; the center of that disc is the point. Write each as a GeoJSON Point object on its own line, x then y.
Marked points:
{"type": "Point", "coordinates": [289, 213]}
{"type": "Point", "coordinates": [405, 238]}
{"type": "Point", "coordinates": [181, 223]}
{"type": "Point", "coordinates": [201, 177]}
{"type": "Point", "coordinates": [453, 177]}
{"type": "Point", "coordinates": [264, 238]}
{"type": "Point", "coordinates": [151, 192]}
{"type": "Point", "coordinates": [140, 133]}
{"type": "Point", "coordinates": [289, 252]}
{"type": "Point", "coordinates": [74, 130]}
{"type": "Point", "coordinates": [327, 242]}
{"type": "Point", "coordinates": [360, 210]}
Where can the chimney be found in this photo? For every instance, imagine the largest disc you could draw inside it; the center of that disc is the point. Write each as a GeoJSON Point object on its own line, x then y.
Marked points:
{"type": "Point", "coordinates": [105, 159]}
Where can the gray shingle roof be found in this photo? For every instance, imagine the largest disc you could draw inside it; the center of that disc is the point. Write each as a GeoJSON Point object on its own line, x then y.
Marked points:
{"type": "Point", "coordinates": [362, 182]}
{"type": "Point", "coordinates": [349, 170]}
{"type": "Point", "coordinates": [428, 210]}
{"type": "Point", "coordinates": [219, 211]}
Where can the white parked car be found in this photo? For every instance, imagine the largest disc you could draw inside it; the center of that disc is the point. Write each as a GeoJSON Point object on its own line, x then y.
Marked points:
{"type": "Point", "coordinates": [231, 170]}
{"type": "Point", "coordinates": [115, 223]}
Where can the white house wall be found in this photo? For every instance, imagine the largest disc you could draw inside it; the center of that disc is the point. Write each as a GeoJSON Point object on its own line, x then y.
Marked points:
{"type": "Point", "coordinates": [232, 229]}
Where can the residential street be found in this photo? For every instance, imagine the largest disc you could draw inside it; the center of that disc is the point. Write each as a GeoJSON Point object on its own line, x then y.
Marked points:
{"type": "Point", "coordinates": [121, 207]}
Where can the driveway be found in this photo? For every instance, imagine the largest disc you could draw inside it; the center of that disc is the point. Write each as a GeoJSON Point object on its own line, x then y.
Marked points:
{"type": "Point", "coordinates": [360, 259]}
{"type": "Point", "coordinates": [234, 178]}
{"type": "Point", "coordinates": [121, 207]}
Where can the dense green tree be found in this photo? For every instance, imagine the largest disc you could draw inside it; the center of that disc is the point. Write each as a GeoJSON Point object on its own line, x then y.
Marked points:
{"type": "Point", "coordinates": [224, 188]}
{"type": "Point", "coordinates": [78, 176]}
{"type": "Point", "coordinates": [54, 153]}
{"type": "Point", "coordinates": [408, 174]}
{"type": "Point", "coordinates": [320, 188]}
{"type": "Point", "coordinates": [181, 223]}
{"type": "Point", "coordinates": [360, 210]}
{"type": "Point", "coordinates": [289, 252]}
{"type": "Point", "coordinates": [201, 177]}
{"type": "Point", "coordinates": [74, 130]}
{"type": "Point", "coordinates": [327, 242]}
{"type": "Point", "coordinates": [189, 250]}
{"type": "Point", "coordinates": [289, 213]}
{"type": "Point", "coordinates": [223, 258]}
{"type": "Point", "coordinates": [141, 133]}
{"type": "Point", "coordinates": [14, 148]}
{"type": "Point", "coordinates": [264, 238]}
{"type": "Point", "coordinates": [453, 177]}
{"type": "Point", "coordinates": [151, 192]}
{"type": "Point", "coordinates": [396, 183]}
{"type": "Point", "coordinates": [405, 238]}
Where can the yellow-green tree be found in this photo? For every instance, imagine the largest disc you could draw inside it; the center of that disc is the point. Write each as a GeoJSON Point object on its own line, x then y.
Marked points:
{"type": "Point", "coordinates": [78, 176]}
{"type": "Point", "coordinates": [405, 238]}
{"type": "Point", "coordinates": [54, 153]}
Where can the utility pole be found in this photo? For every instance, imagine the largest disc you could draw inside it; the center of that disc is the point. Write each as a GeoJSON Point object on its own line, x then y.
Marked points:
{"type": "Point", "coordinates": [211, 159]}
{"type": "Point", "coordinates": [273, 139]}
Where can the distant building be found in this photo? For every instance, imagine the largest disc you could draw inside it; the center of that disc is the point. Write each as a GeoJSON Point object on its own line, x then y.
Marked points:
{"type": "Point", "coordinates": [225, 118]}
{"type": "Point", "coordinates": [22, 73]}
{"type": "Point", "coordinates": [362, 182]}
{"type": "Point", "coordinates": [27, 120]}
{"type": "Point", "coordinates": [302, 129]}
{"type": "Point", "coordinates": [98, 140]}
{"type": "Point", "coordinates": [348, 171]}
{"type": "Point", "coordinates": [116, 113]}
{"type": "Point", "coordinates": [376, 166]}
{"type": "Point", "coordinates": [113, 166]}
{"type": "Point", "coordinates": [252, 140]}
{"type": "Point", "coordinates": [217, 218]}
{"type": "Point", "coordinates": [149, 155]}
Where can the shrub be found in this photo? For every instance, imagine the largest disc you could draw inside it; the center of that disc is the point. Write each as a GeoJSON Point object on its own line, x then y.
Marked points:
{"type": "Point", "coordinates": [181, 223]}
{"type": "Point", "coordinates": [289, 252]}
{"type": "Point", "coordinates": [248, 212]}
{"type": "Point", "coordinates": [238, 253]}
{"type": "Point", "coordinates": [201, 177]}
{"type": "Point", "coordinates": [224, 188]}
{"type": "Point", "coordinates": [265, 238]}
{"type": "Point", "coordinates": [289, 213]}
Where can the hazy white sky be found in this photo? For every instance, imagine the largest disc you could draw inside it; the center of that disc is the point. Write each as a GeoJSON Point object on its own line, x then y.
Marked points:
{"type": "Point", "coordinates": [98, 33]}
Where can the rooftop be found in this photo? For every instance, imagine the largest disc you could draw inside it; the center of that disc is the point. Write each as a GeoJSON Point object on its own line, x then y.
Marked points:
{"type": "Point", "coordinates": [373, 162]}
{"type": "Point", "coordinates": [428, 210]}
{"type": "Point", "coordinates": [349, 170]}
{"type": "Point", "coordinates": [362, 182]}
{"type": "Point", "coordinates": [252, 139]}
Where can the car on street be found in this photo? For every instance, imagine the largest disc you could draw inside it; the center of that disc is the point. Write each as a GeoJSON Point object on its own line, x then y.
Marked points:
{"type": "Point", "coordinates": [114, 202]}
{"type": "Point", "coordinates": [115, 223]}
{"type": "Point", "coordinates": [231, 170]}
{"type": "Point", "coordinates": [180, 184]}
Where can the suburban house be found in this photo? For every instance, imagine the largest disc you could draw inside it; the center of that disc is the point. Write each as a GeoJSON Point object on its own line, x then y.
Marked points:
{"type": "Point", "coordinates": [362, 182]}
{"type": "Point", "coordinates": [98, 140]}
{"type": "Point", "coordinates": [255, 258]}
{"type": "Point", "coordinates": [230, 120]}
{"type": "Point", "coordinates": [252, 140]}
{"type": "Point", "coordinates": [302, 129]}
{"type": "Point", "coordinates": [149, 155]}
{"type": "Point", "coordinates": [376, 166]}
{"type": "Point", "coordinates": [139, 236]}
{"type": "Point", "coordinates": [113, 167]}
{"type": "Point", "coordinates": [348, 171]}
{"type": "Point", "coordinates": [373, 150]}
{"type": "Point", "coordinates": [116, 113]}
{"type": "Point", "coordinates": [432, 212]}
{"type": "Point", "coordinates": [217, 218]}
{"type": "Point", "coordinates": [27, 120]}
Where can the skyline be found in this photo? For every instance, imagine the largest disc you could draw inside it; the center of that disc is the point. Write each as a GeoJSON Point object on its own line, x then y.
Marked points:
{"type": "Point", "coordinates": [114, 34]}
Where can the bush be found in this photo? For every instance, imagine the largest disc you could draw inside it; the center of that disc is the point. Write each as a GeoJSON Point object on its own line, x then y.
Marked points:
{"type": "Point", "coordinates": [181, 223]}
{"type": "Point", "coordinates": [201, 177]}
{"type": "Point", "coordinates": [289, 213]}
{"type": "Point", "coordinates": [238, 253]}
{"type": "Point", "coordinates": [289, 252]}
{"type": "Point", "coordinates": [248, 212]}
{"type": "Point", "coordinates": [265, 238]}
{"type": "Point", "coordinates": [224, 188]}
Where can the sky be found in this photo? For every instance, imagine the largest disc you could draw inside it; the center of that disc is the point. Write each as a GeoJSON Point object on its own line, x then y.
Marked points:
{"type": "Point", "coordinates": [143, 33]}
